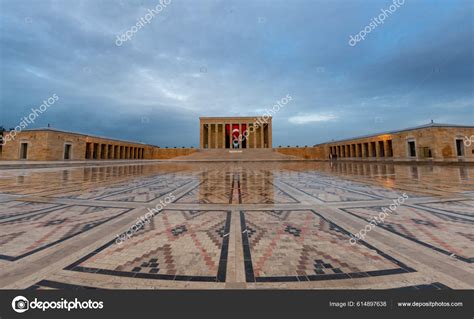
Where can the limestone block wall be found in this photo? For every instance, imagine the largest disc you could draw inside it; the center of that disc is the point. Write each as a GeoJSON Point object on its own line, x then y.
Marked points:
{"type": "Point", "coordinates": [56, 143]}
{"type": "Point", "coordinates": [445, 143]}
{"type": "Point", "coordinates": [304, 152]}
{"type": "Point", "coordinates": [435, 144]}
{"type": "Point", "coordinates": [166, 153]}
{"type": "Point", "coordinates": [431, 144]}
{"type": "Point", "coordinates": [50, 145]}
{"type": "Point", "coordinates": [37, 142]}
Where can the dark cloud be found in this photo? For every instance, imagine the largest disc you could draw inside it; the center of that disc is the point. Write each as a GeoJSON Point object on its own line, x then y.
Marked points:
{"type": "Point", "coordinates": [210, 58]}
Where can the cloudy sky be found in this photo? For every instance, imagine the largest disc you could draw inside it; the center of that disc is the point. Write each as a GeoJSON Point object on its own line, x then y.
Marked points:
{"type": "Point", "coordinates": [231, 58]}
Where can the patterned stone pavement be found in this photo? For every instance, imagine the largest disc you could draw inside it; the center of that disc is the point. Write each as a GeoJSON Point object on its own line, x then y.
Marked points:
{"type": "Point", "coordinates": [234, 225]}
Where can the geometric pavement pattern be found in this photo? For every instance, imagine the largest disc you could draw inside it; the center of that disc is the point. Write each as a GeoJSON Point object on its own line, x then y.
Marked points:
{"type": "Point", "coordinates": [288, 235]}
{"type": "Point", "coordinates": [449, 234]}
{"type": "Point", "coordinates": [304, 246]}
{"type": "Point", "coordinates": [174, 245]}
{"type": "Point", "coordinates": [16, 208]}
{"type": "Point", "coordinates": [461, 207]}
{"type": "Point", "coordinates": [25, 235]}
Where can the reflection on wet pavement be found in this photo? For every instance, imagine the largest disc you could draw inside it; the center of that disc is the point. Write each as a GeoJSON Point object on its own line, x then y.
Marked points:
{"type": "Point", "coordinates": [231, 223]}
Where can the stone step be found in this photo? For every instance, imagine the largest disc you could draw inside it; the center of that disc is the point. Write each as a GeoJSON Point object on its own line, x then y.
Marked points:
{"type": "Point", "coordinates": [235, 154]}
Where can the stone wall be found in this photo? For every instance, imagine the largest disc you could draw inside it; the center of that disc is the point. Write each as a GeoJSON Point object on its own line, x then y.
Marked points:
{"type": "Point", "coordinates": [166, 153]}
{"type": "Point", "coordinates": [49, 145]}
{"type": "Point", "coordinates": [435, 144]}
{"type": "Point", "coordinates": [303, 152]}
{"type": "Point", "coordinates": [432, 144]}
{"type": "Point", "coordinates": [38, 146]}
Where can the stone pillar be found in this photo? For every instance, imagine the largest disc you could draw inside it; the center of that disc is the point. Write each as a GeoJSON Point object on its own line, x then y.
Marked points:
{"type": "Point", "coordinates": [208, 136]}
{"type": "Point", "coordinates": [201, 135]}
{"type": "Point", "coordinates": [248, 135]}
{"type": "Point", "coordinates": [99, 151]}
{"type": "Point", "coordinates": [223, 135]}
{"type": "Point", "coordinates": [270, 138]}
{"type": "Point", "coordinates": [91, 150]}
{"type": "Point", "coordinates": [216, 132]}
{"type": "Point", "coordinates": [261, 137]}
{"type": "Point", "coordinates": [386, 150]}
{"type": "Point", "coordinates": [254, 137]}
{"type": "Point", "coordinates": [240, 135]}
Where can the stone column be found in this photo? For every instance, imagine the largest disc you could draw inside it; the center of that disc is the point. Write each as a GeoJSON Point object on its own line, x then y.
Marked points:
{"type": "Point", "coordinates": [201, 135]}
{"type": "Point", "coordinates": [248, 136]}
{"type": "Point", "coordinates": [385, 146]}
{"type": "Point", "coordinates": [240, 135]}
{"type": "Point", "coordinates": [208, 136]}
{"type": "Point", "coordinates": [99, 151]}
{"type": "Point", "coordinates": [91, 150]}
{"type": "Point", "coordinates": [254, 137]}
{"type": "Point", "coordinates": [216, 129]}
{"type": "Point", "coordinates": [270, 138]}
{"type": "Point", "coordinates": [223, 135]}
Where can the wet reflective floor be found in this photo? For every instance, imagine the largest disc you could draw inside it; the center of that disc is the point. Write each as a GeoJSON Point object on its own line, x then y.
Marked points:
{"type": "Point", "coordinates": [238, 225]}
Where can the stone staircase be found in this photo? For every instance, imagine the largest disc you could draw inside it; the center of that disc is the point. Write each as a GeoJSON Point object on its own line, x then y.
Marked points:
{"type": "Point", "coordinates": [250, 155]}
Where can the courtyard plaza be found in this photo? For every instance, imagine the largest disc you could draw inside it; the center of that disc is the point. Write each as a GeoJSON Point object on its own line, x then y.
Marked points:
{"type": "Point", "coordinates": [236, 225]}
